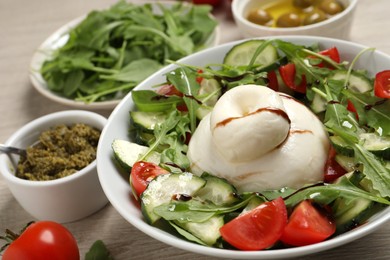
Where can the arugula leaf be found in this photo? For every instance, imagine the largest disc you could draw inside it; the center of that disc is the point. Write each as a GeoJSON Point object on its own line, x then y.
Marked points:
{"type": "Point", "coordinates": [135, 71]}
{"type": "Point", "coordinates": [327, 193]}
{"type": "Point", "coordinates": [161, 130]}
{"type": "Point", "coordinates": [150, 101]}
{"type": "Point", "coordinates": [184, 79]}
{"type": "Point", "coordinates": [181, 212]}
{"type": "Point", "coordinates": [371, 110]}
{"type": "Point", "coordinates": [124, 43]}
{"type": "Point", "coordinates": [373, 168]}
{"type": "Point", "coordinates": [186, 234]}
{"type": "Point", "coordinates": [98, 251]}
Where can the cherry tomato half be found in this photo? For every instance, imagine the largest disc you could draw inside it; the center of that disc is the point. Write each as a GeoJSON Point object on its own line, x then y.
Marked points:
{"type": "Point", "coordinates": [333, 169]}
{"type": "Point", "coordinates": [169, 90]}
{"type": "Point", "coordinates": [332, 53]}
{"type": "Point", "coordinates": [307, 225]}
{"type": "Point", "coordinates": [43, 240]}
{"type": "Point", "coordinates": [351, 108]}
{"type": "Point", "coordinates": [287, 72]}
{"type": "Point", "coordinates": [141, 174]}
{"type": "Point", "coordinates": [257, 229]}
{"type": "Point", "coordinates": [272, 80]}
{"type": "Point", "coordinates": [382, 84]}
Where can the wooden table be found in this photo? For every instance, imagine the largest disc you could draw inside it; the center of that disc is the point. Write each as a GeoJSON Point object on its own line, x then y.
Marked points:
{"type": "Point", "coordinates": [25, 24]}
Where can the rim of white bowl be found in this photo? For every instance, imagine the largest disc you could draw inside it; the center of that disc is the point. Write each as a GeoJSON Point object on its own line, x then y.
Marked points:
{"type": "Point", "coordinates": [238, 7]}
{"type": "Point", "coordinates": [34, 124]}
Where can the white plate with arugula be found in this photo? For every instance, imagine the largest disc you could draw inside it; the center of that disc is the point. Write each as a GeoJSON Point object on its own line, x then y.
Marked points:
{"type": "Point", "coordinates": [115, 180]}
{"type": "Point", "coordinates": [107, 53]}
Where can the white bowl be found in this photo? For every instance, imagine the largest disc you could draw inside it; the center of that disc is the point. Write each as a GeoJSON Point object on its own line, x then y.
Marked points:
{"type": "Point", "coordinates": [117, 188]}
{"type": "Point", "coordinates": [338, 26]}
{"type": "Point", "coordinates": [62, 200]}
{"type": "Point", "coordinates": [59, 39]}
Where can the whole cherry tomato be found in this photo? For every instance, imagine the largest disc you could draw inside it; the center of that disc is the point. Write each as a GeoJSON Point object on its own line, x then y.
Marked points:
{"type": "Point", "coordinates": [43, 240]}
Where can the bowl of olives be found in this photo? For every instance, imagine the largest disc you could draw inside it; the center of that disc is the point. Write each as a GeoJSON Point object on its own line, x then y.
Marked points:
{"type": "Point", "coordinates": [328, 18]}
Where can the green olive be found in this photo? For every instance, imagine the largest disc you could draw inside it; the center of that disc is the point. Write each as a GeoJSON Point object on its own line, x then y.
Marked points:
{"type": "Point", "coordinates": [260, 16]}
{"type": "Point", "coordinates": [288, 20]}
{"type": "Point", "coordinates": [314, 17]}
{"type": "Point", "coordinates": [303, 3]}
{"type": "Point", "coordinates": [331, 7]}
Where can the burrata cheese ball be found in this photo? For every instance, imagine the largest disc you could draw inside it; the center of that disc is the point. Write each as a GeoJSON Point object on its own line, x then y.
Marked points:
{"type": "Point", "coordinates": [259, 139]}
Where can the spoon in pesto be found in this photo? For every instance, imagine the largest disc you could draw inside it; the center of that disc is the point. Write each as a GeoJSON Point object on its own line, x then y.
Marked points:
{"type": "Point", "coordinates": [12, 150]}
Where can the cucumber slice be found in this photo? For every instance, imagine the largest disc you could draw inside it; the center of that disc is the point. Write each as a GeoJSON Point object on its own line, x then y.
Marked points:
{"type": "Point", "coordinates": [217, 191]}
{"type": "Point", "coordinates": [209, 92]}
{"type": "Point", "coordinates": [318, 104]}
{"type": "Point", "coordinates": [253, 203]}
{"type": "Point", "coordinates": [147, 120]}
{"type": "Point", "coordinates": [357, 83]}
{"type": "Point", "coordinates": [340, 146]}
{"type": "Point", "coordinates": [143, 137]}
{"type": "Point", "coordinates": [127, 153]}
{"type": "Point", "coordinates": [241, 54]}
{"type": "Point", "coordinates": [347, 162]}
{"type": "Point", "coordinates": [207, 231]}
{"type": "Point", "coordinates": [349, 215]}
{"type": "Point", "coordinates": [161, 190]}
{"type": "Point", "coordinates": [202, 111]}
{"type": "Point", "coordinates": [378, 145]}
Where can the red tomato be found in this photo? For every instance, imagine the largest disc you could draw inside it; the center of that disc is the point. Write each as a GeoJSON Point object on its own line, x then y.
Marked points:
{"type": "Point", "coordinates": [382, 84]}
{"type": "Point", "coordinates": [307, 225]}
{"type": "Point", "coordinates": [333, 169]}
{"type": "Point", "coordinates": [351, 108]}
{"type": "Point", "coordinates": [43, 240]}
{"type": "Point", "coordinates": [332, 53]}
{"type": "Point", "coordinates": [169, 90]}
{"type": "Point", "coordinates": [287, 72]}
{"type": "Point", "coordinates": [257, 229]}
{"type": "Point", "coordinates": [141, 174]}
{"type": "Point", "coordinates": [272, 80]}
{"type": "Point", "coordinates": [199, 78]}
{"type": "Point", "coordinates": [208, 2]}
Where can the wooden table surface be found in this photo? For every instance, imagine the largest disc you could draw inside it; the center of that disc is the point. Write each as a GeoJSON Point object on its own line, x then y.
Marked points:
{"type": "Point", "coordinates": [24, 25]}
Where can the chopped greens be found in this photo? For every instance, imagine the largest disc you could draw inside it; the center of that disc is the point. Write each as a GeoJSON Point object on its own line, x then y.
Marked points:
{"type": "Point", "coordinates": [112, 50]}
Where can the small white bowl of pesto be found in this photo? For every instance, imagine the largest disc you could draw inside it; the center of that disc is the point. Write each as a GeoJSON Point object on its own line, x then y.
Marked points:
{"type": "Point", "coordinates": [57, 178]}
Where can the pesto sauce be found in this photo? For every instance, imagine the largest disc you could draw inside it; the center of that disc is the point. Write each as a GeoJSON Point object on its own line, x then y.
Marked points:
{"type": "Point", "coordinates": [61, 151]}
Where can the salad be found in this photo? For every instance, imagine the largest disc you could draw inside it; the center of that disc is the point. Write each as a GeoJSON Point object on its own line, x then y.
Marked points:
{"type": "Point", "coordinates": [352, 106]}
